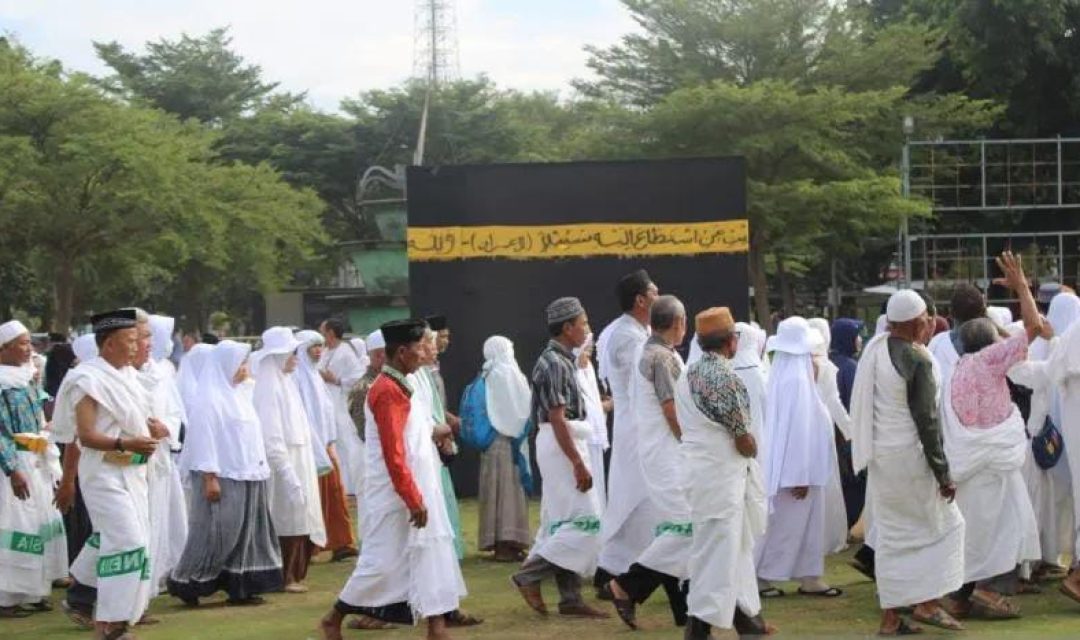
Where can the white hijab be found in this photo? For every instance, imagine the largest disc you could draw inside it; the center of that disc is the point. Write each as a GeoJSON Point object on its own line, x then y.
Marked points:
{"type": "Point", "coordinates": [222, 407]}
{"type": "Point", "coordinates": [191, 368]}
{"type": "Point", "coordinates": [361, 353]}
{"type": "Point", "coordinates": [798, 429]}
{"type": "Point", "coordinates": [161, 330]}
{"type": "Point", "coordinates": [1063, 313]}
{"type": "Point", "coordinates": [85, 347]}
{"type": "Point", "coordinates": [277, 400]}
{"type": "Point", "coordinates": [508, 395]}
{"type": "Point", "coordinates": [317, 401]}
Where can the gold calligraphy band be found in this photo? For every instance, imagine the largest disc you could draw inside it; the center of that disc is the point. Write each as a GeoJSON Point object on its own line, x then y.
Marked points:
{"type": "Point", "coordinates": [434, 244]}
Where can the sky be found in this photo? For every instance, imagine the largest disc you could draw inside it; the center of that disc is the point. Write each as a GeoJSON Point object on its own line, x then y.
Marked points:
{"type": "Point", "coordinates": [334, 48]}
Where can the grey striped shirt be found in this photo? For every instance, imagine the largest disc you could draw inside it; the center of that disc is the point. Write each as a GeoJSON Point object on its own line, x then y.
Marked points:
{"type": "Point", "coordinates": [554, 384]}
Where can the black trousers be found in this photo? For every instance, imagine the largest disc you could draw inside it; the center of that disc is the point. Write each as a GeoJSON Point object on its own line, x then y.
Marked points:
{"type": "Point", "coordinates": [639, 582]}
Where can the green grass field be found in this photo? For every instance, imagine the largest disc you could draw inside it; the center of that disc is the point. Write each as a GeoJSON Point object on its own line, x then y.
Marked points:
{"type": "Point", "coordinates": [490, 596]}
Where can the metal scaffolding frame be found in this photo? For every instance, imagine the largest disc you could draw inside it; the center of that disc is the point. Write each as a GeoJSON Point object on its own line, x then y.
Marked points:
{"type": "Point", "coordinates": [965, 177]}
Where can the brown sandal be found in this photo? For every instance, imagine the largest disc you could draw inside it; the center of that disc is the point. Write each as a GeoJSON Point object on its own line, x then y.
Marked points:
{"type": "Point", "coordinates": [993, 606]}
{"type": "Point", "coordinates": [458, 618]}
{"type": "Point", "coordinates": [367, 623]}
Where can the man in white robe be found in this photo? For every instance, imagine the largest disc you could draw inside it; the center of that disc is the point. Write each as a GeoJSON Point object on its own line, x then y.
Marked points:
{"type": "Point", "coordinates": [625, 530]}
{"type": "Point", "coordinates": [567, 542]}
{"type": "Point", "coordinates": [664, 562]}
{"type": "Point", "coordinates": [917, 530]}
{"type": "Point", "coordinates": [33, 547]}
{"type": "Point", "coordinates": [407, 569]}
{"type": "Point", "coordinates": [725, 487]}
{"type": "Point", "coordinates": [340, 368]}
{"type": "Point", "coordinates": [967, 303]}
{"type": "Point", "coordinates": [117, 438]}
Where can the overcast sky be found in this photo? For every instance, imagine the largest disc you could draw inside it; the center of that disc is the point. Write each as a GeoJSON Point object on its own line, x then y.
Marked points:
{"type": "Point", "coordinates": [334, 48]}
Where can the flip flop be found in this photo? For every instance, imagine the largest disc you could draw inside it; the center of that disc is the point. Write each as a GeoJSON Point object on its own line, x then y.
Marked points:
{"type": "Point", "coordinates": [771, 592]}
{"type": "Point", "coordinates": [831, 592]}
{"type": "Point", "coordinates": [904, 629]}
{"type": "Point", "coordinates": [367, 623]}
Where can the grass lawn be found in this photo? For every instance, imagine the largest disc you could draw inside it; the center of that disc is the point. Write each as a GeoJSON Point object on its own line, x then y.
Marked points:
{"type": "Point", "coordinates": [490, 596]}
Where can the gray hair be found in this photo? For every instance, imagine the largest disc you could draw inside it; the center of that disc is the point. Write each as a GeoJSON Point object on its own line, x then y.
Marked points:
{"type": "Point", "coordinates": [666, 311]}
{"type": "Point", "coordinates": [141, 316]}
{"type": "Point", "coordinates": [977, 334]}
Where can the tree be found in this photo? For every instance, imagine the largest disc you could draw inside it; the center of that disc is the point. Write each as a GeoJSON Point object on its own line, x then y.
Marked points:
{"type": "Point", "coordinates": [113, 197]}
{"type": "Point", "coordinates": [799, 89]}
{"type": "Point", "coordinates": [193, 77]}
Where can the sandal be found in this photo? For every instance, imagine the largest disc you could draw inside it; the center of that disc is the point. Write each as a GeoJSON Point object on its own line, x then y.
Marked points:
{"type": "Point", "coordinates": [80, 616]}
{"type": "Point", "coordinates": [367, 623]}
{"type": "Point", "coordinates": [1028, 588]}
{"type": "Point", "coordinates": [940, 619]}
{"type": "Point", "coordinates": [43, 606]}
{"type": "Point", "coordinates": [904, 629]}
{"type": "Point", "coordinates": [1069, 593]}
{"type": "Point", "coordinates": [771, 592]}
{"type": "Point", "coordinates": [458, 618]}
{"type": "Point", "coordinates": [627, 612]}
{"type": "Point", "coordinates": [993, 606]}
{"type": "Point", "coordinates": [14, 612]}
{"type": "Point", "coordinates": [831, 592]}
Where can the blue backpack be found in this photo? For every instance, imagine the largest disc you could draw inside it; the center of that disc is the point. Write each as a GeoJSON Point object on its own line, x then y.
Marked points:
{"type": "Point", "coordinates": [476, 430]}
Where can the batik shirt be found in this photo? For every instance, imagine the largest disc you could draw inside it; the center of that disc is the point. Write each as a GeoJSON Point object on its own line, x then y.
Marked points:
{"type": "Point", "coordinates": [19, 413]}
{"type": "Point", "coordinates": [554, 383]}
{"type": "Point", "coordinates": [660, 365]}
{"type": "Point", "coordinates": [719, 393]}
{"type": "Point", "coordinates": [357, 398]}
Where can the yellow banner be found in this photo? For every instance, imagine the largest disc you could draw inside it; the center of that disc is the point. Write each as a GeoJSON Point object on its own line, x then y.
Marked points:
{"type": "Point", "coordinates": [432, 244]}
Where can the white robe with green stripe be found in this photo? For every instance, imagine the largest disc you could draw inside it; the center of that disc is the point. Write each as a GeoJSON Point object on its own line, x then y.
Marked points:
{"type": "Point", "coordinates": [33, 548]}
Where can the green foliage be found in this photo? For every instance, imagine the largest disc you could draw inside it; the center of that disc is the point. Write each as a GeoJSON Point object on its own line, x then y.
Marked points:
{"type": "Point", "coordinates": [193, 77]}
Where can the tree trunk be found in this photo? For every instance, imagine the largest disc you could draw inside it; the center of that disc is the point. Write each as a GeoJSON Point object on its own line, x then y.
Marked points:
{"type": "Point", "coordinates": [64, 294]}
{"type": "Point", "coordinates": [760, 280]}
{"type": "Point", "coordinates": [787, 293]}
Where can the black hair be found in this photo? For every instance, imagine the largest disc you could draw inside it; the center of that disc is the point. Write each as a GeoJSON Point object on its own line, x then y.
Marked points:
{"type": "Point", "coordinates": [931, 306]}
{"type": "Point", "coordinates": [715, 341]}
{"type": "Point", "coordinates": [335, 326]}
{"type": "Point", "coordinates": [555, 329]}
{"type": "Point", "coordinates": [967, 303]}
{"type": "Point", "coordinates": [61, 359]}
{"type": "Point", "coordinates": [630, 287]}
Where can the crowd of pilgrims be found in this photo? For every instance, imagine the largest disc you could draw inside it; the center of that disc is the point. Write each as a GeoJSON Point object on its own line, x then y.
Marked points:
{"type": "Point", "coordinates": [735, 470]}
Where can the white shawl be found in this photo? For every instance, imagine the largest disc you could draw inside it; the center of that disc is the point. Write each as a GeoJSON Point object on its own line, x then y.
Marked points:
{"type": "Point", "coordinates": [862, 401]}
{"type": "Point", "coordinates": [508, 395]}
{"type": "Point", "coordinates": [797, 427]}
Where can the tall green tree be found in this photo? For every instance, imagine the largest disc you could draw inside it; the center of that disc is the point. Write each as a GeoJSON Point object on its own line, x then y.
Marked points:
{"type": "Point", "coordinates": [198, 77]}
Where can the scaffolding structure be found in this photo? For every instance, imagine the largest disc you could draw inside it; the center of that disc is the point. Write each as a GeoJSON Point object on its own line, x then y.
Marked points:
{"type": "Point", "coordinates": [972, 177]}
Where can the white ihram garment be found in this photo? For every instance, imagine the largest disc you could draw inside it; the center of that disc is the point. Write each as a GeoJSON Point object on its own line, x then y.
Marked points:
{"type": "Point", "coordinates": [664, 471]}
{"type": "Point", "coordinates": [836, 529]}
{"type": "Point", "coordinates": [945, 355]}
{"type": "Point", "coordinates": [627, 527]}
{"type": "Point", "coordinates": [728, 511]}
{"type": "Point", "coordinates": [918, 536]}
{"type": "Point", "coordinates": [344, 362]}
{"type": "Point", "coordinates": [595, 416]}
{"type": "Point", "coordinates": [398, 562]}
{"type": "Point", "coordinates": [986, 464]}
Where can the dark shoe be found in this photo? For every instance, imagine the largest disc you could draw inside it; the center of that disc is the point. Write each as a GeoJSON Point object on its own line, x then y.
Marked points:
{"type": "Point", "coordinates": [627, 612]}
{"type": "Point", "coordinates": [747, 626]}
{"type": "Point", "coordinates": [458, 618]}
{"type": "Point", "coordinates": [582, 610]}
{"type": "Point", "coordinates": [697, 629]}
{"type": "Point", "coordinates": [344, 553]}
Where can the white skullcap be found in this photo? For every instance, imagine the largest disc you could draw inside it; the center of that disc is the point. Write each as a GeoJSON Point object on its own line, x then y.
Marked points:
{"type": "Point", "coordinates": [1002, 316]}
{"type": "Point", "coordinates": [10, 330]}
{"type": "Point", "coordinates": [375, 341]}
{"type": "Point", "coordinates": [905, 306]}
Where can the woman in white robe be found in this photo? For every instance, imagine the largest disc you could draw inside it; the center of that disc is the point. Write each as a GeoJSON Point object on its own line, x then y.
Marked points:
{"type": "Point", "coordinates": [799, 435]}
{"type": "Point", "coordinates": [295, 507]}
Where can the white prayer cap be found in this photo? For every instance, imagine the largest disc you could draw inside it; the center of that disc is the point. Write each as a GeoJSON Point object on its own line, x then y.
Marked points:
{"type": "Point", "coordinates": [1002, 316]}
{"type": "Point", "coordinates": [375, 341]}
{"type": "Point", "coordinates": [10, 330]}
{"type": "Point", "coordinates": [792, 336]}
{"type": "Point", "coordinates": [85, 347]}
{"type": "Point", "coordinates": [905, 306]}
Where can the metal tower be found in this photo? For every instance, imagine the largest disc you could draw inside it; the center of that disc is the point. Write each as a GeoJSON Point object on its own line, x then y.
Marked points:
{"type": "Point", "coordinates": [435, 48]}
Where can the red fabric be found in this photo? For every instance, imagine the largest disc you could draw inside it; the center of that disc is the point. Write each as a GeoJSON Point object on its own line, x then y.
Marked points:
{"type": "Point", "coordinates": [390, 407]}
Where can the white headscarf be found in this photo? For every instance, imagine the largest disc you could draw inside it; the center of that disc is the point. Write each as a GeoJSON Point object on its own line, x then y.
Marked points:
{"type": "Point", "coordinates": [222, 407]}
{"type": "Point", "coordinates": [822, 336]}
{"type": "Point", "coordinates": [748, 353]}
{"type": "Point", "coordinates": [1063, 313]}
{"type": "Point", "coordinates": [161, 330]}
{"type": "Point", "coordinates": [317, 401]}
{"type": "Point", "coordinates": [361, 353]}
{"type": "Point", "coordinates": [798, 429]}
{"type": "Point", "coordinates": [277, 400]}
{"type": "Point", "coordinates": [85, 347]}
{"type": "Point", "coordinates": [508, 396]}
{"type": "Point", "coordinates": [191, 368]}
{"type": "Point", "coordinates": [747, 364]}
{"type": "Point", "coordinates": [1001, 316]}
